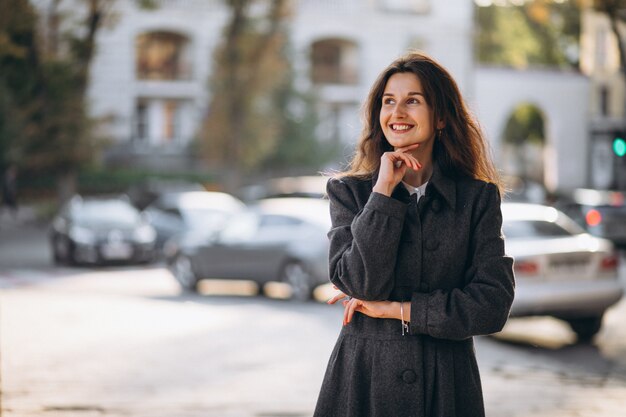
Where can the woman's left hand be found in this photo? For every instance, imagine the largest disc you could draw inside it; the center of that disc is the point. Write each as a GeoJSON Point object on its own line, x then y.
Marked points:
{"type": "Point", "coordinates": [374, 309]}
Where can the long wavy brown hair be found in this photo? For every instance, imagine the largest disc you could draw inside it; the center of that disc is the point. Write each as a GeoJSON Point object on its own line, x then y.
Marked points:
{"type": "Point", "coordinates": [460, 147]}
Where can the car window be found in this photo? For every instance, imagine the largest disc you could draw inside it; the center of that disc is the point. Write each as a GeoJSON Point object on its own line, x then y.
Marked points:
{"type": "Point", "coordinates": [205, 218]}
{"type": "Point", "coordinates": [519, 229]}
{"type": "Point", "coordinates": [240, 228]}
{"type": "Point", "coordinates": [173, 211]}
{"type": "Point", "coordinates": [105, 211]}
{"type": "Point", "coordinates": [274, 220]}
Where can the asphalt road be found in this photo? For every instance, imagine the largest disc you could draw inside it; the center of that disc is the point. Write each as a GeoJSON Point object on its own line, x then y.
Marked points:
{"type": "Point", "coordinates": [124, 342]}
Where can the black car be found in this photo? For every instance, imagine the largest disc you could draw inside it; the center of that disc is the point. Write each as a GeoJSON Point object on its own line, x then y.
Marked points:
{"type": "Point", "coordinates": [101, 230]}
{"type": "Point", "coordinates": [602, 213]}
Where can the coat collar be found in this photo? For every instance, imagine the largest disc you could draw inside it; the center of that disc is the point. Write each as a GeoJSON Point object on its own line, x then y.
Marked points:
{"type": "Point", "coordinates": [442, 184]}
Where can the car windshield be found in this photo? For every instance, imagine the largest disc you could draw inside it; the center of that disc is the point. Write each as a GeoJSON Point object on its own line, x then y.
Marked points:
{"type": "Point", "coordinates": [203, 218]}
{"type": "Point", "coordinates": [98, 212]}
{"type": "Point", "coordinates": [520, 229]}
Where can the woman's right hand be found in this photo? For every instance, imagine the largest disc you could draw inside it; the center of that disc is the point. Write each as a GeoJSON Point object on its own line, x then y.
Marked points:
{"type": "Point", "coordinates": [393, 166]}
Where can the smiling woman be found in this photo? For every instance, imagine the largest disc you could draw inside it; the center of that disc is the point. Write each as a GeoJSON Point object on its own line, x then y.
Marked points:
{"type": "Point", "coordinates": [416, 253]}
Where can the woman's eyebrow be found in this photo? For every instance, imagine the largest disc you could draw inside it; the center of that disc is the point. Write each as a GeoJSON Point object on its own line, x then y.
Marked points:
{"type": "Point", "coordinates": [412, 93]}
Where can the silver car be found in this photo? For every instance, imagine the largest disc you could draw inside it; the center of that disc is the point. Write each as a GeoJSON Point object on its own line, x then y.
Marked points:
{"type": "Point", "coordinates": [179, 212]}
{"type": "Point", "coordinates": [560, 270]}
{"type": "Point", "coordinates": [279, 239]}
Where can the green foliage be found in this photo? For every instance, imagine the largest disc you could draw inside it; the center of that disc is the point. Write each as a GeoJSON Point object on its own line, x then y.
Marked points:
{"type": "Point", "coordinates": [147, 4]}
{"type": "Point", "coordinates": [93, 181]}
{"type": "Point", "coordinates": [249, 118]}
{"type": "Point", "coordinates": [44, 122]}
{"type": "Point", "coordinates": [525, 125]}
{"type": "Point", "coordinates": [536, 33]}
{"type": "Point", "coordinates": [297, 150]}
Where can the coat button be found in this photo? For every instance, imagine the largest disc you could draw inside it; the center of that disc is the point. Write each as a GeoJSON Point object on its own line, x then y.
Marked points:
{"type": "Point", "coordinates": [409, 376]}
{"type": "Point", "coordinates": [436, 206]}
{"type": "Point", "coordinates": [432, 244]}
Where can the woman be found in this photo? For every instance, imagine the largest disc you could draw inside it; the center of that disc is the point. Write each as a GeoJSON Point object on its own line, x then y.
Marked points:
{"type": "Point", "coordinates": [416, 247]}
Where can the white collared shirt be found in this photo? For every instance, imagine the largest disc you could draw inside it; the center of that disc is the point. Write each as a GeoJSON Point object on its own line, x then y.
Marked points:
{"type": "Point", "coordinates": [420, 191]}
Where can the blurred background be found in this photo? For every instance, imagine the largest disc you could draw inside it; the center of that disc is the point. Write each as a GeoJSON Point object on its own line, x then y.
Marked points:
{"type": "Point", "coordinates": [163, 227]}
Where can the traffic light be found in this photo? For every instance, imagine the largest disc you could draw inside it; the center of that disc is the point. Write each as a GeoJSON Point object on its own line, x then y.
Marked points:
{"type": "Point", "coordinates": [619, 144]}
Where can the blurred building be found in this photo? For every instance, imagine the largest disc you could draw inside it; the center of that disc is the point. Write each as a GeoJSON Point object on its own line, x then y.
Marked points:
{"type": "Point", "coordinates": [600, 61]}
{"type": "Point", "coordinates": [151, 74]}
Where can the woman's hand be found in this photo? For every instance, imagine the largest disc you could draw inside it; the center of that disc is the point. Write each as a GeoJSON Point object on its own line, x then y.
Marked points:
{"type": "Point", "coordinates": [393, 166]}
{"type": "Point", "coordinates": [374, 309]}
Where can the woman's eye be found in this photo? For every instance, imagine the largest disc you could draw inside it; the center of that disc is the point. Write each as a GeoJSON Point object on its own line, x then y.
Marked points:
{"type": "Point", "coordinates": [388, 101]}
{"type": "Point", "coordinates": [412, 101]}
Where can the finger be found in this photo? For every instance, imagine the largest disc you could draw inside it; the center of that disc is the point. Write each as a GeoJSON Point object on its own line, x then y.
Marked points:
{"type": "Point", "coordinates": [346, 305]}
{"type": "Point", "coordinates": [352, 308]}
{"type": "Point", "coordinates": [346, 312]}
{"type": "Point", "coordinates": [416, 165]}
{"type": "Point", "coordinates": [399, 158]}
{"type": "Point", "coordinates": [336, 298]}
{"type": "Point", "coordinates": [409, 160]}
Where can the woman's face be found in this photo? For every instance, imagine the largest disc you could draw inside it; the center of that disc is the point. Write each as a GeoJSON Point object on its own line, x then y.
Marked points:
{"type": "Point", "coordinates": [405, 117]}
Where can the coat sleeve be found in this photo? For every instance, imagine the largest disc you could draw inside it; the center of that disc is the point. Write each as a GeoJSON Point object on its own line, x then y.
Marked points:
{"type": "Point", "coordinates": [363, 241]}
{"type": "Point", "coordinates": [483, 305]}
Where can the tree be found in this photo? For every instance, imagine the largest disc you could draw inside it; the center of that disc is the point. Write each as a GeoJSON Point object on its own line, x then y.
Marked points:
{"type": "Point", "coordinates": [243, 123]}
{"type": "Point", "coordinates": [530, 33]}
{"type": "Point", "coordinates": [615, 11]}
{"type": "Point", "coordinates": [44, 67]}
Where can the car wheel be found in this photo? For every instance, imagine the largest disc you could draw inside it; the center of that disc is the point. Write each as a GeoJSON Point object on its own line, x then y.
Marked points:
{"type": "Point", "coordinates": [586, 328]}
{"type": "Point", "coordinates": [296, 275]}
{"type": "Point", "coordinates": [183, 272]}
{"type": "Point", "coordinates": [62, 251]}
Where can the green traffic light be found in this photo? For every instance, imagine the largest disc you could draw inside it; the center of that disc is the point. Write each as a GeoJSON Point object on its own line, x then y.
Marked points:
{"type": "Point", "coordinates": [619, 147]}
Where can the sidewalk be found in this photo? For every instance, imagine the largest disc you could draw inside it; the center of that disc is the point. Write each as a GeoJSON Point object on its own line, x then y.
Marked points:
{"type": "Point", "coordinates": [23, 241]}
{"type": "Point", "coordinates": [26, 215]}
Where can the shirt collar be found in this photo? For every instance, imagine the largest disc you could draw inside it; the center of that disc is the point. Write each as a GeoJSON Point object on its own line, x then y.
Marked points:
{"type": "Point", "coordinates": [442, 184]}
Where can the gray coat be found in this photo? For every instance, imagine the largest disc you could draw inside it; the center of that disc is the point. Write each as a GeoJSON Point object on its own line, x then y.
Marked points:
{"type": "Point", "coordinates": [446, 257]}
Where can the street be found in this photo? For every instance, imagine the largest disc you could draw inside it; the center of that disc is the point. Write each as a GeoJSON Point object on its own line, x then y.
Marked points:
{"type": "Point", "coordinates": [123, 341]}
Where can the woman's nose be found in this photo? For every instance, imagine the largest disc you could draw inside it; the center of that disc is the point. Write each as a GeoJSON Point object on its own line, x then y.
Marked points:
{"type": "Point", "coordinates": [399, 110]}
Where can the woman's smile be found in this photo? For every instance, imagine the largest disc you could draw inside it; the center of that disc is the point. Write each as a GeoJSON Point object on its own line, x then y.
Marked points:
{"type": "Point", "coordinates": [400, 127]}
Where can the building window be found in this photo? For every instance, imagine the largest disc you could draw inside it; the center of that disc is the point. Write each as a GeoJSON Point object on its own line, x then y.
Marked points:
{"type": "Point", "coordinates": [171, 119]}
{"type": "Point", "coordinates": [162, 122]}
{"type": "Point", "coordinates": [602, 46]}
{"type": "Point", "coordinates": [604, 101]}
{"type": "Point", "coordinates": [141, 120]}
{"type": "Point", "coordinates": [334, 61]}
{"type": "Point", "coordinates": [162, 56]}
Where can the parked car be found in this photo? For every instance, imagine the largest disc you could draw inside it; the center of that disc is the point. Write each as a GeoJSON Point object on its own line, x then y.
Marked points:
{"type": "Point", "coordinates": [281, 239]}
{"type": "Point", "coordinates": [560, 270]}
{"type": "Point", "coordinates": [524, 190]}
{"type": "Point", "coordinates": [144, 193]}
{"type": "Point", "coordinates": [307, 186]}
{"type": "Point", "coordinates": [179, 212]}
{"type": "Point", "coordinates": [101, 230]}
{"type": "Point", "coordinates": [601, 213]}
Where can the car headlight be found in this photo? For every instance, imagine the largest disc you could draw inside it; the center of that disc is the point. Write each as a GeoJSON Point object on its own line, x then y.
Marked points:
{"type": "Point", "coordinates": [82, 235]}
{"type": "Point", "coordinates": [144, 234]}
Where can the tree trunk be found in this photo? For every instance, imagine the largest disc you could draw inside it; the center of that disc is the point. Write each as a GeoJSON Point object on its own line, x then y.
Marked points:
{"type": "Point", "coordinates": [66, 186]}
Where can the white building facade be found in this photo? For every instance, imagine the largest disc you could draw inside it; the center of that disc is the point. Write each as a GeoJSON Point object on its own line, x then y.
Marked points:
{"type": "Point", "coordinates": [150, 76]}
